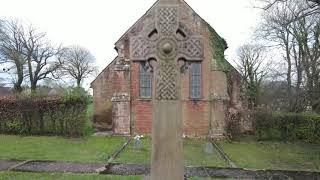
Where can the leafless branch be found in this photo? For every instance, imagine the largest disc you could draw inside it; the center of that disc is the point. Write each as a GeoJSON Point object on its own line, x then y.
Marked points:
{"type": "Point", "coordinates": [78, 63]}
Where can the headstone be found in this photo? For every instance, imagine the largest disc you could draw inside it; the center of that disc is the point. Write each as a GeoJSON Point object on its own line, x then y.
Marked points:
{"type": "Point", "coordinates": [137, 142]}
{"type": "Point", "coordinates": [167, 53]}
{"type": "Point", "coordinates": [208, 148]}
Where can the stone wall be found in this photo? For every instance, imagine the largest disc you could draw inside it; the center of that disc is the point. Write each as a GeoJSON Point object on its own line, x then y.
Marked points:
{"type": "Point", "coordinates": [141, 109]}
{"type": "Point", "coordinates": [121, 106]}
{"type": "Point", "coordinates": [103, 89]}
{"type": "Point", "coordinates": [196, 118]}
{"type": "Point", "coordinates": [238, 105]}
{"type": "Point", "coordinates": [121, 113]}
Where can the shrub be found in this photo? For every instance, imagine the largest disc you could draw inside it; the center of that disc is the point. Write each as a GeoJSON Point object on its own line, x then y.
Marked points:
{"type": "Point", "coordinates": [287, 126]}
{"type": "Point", "coordinates": [264, 125]}
{"type": "Point", "coordinates": [15, 126]}
{"type": "Point", "coordinates": [44, 116]}
{"type": "Point", "coordinates": [233, 125]}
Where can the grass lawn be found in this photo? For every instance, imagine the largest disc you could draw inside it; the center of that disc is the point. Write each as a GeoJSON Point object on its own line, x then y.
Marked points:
{"type": "Point", "coordinates": [132, 156]}
{"type": "Point", "coordinates": [59, 176]}
{"type": "Point", "coordinates": [195, 156]}
{"type": "Point", "coordinates": [88, 129]}
{"type": "Point", "coordinates": [193, 153]}
{"type": "Point", "coordinates": [90, 149]}
{"type": "Point", "coordinates": [248, 153]}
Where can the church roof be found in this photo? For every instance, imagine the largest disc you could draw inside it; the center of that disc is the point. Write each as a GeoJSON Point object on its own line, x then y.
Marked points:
{"type": "Point", "coordinates": [103, 71]}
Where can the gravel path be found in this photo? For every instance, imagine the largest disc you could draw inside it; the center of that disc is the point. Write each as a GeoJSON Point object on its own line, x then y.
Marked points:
{"type": "Point", "coordinates": [61, 167]}
{"type": "Point", "coordinates": [122, 169]}
{"type": "Point", "coordinates": [6, 164]}
{"type": "Point", "coordinates": [127, 169]}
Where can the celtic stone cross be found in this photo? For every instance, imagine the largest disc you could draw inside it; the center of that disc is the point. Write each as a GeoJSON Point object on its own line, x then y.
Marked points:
{"type": "Point", "coordinates": [167, 41]}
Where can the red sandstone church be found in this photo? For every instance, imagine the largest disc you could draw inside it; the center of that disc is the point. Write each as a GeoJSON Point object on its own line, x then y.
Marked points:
{"type": "Point", "coordinates": [210, 88]}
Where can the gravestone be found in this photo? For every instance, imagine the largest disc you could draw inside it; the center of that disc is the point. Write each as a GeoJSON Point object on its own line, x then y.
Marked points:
{"type": "Point", "coordinates": [137, 142]}
{"type": "Point", "coordinates": [208, 148]}
{"type": "Point", "coordinates": [167, 47]}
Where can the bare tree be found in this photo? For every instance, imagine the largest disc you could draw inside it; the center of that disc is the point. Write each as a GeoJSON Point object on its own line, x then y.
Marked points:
{"type": "Point", "coordinates": [310, 7]}
{"type": "Point", "coordinates": [306, 33]}
{"type": "Point", "coordinates": [11, 48]}
{"type": "Point", "coordinates": [40, 56]}
{"type": "Point", "coordinates": [252, 67]}
{"type": "Point", "coordinates": [78, 63]}
{"type": "Point", "coordinates": [276, 29]}
{"type": "Point", "coordinates": [299, 42]}
{"type": "Point", "coordinates": [270, 3]}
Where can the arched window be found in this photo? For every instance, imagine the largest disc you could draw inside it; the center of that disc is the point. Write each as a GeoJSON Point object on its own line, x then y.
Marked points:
{"type": "Point", "coordinates": [145, 82]}
{"type": "Point", "coordinates": [195, 81]}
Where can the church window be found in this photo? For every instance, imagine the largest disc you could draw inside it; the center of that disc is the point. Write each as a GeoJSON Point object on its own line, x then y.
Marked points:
{"type": "Point", "coordinates": [145, 82]}
{"type": "Point", "coordinates": [195, 81]}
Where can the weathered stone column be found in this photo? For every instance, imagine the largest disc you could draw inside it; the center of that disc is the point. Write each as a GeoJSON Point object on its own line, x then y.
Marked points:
{"type": "Point", "coordinates": [121, 99]}
{"type": "Point", "coordinates": [168, 47]}
{"type": "Point", "coordinates": [167, 148]}
{"type": "Point", "coordinates": [219, 99]}
{"type": "Point", "coordinates": [121, 113]}
{"type": "Point", "coordinates": [218, 112]}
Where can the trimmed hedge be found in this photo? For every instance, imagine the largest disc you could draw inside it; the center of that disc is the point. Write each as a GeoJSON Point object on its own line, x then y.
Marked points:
{"type": "Point", "coordinates": [287, 126]}
{"type": "Point", "coordinates": [43, 116]}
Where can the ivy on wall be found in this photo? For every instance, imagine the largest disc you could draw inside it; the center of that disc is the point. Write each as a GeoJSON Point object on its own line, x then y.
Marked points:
{"type": "Point", "coordinates": [218, 45]}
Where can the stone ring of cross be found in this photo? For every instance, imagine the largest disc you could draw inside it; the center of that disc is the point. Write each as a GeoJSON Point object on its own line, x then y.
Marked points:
{"type": "Point", "coordinates": [167, 49]}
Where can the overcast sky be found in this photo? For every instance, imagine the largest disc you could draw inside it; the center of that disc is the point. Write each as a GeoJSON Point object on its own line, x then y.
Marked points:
{"type": "Point", "coordinates": [98, 24]}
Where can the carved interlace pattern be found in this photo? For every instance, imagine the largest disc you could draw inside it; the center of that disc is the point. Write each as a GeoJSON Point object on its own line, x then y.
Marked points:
{"type": "Point", "coordinates": [166, 81]}
{"type": "Point", "coordinates": [192, 48]}
{"type": "Point", "coordinates": [141, 47]}
{"type": "Point", "coordinates": [184, 44]}
{"type": "Point", "coordinates": [167, 20]}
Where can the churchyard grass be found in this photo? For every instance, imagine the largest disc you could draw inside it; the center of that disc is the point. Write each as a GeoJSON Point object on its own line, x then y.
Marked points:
{"type": "Point", "coordinates": [252, 154]}
{"type": "Point", "coordinates": [193, 153]}
{"type": "Point", "coordinates": [130, 155]}
{"type": "Point", "coordinates": [60, 176]}
{"type": "Point", "coordinates": [89, 149]}
{"type": "Point", "coordinates": [88, 129]}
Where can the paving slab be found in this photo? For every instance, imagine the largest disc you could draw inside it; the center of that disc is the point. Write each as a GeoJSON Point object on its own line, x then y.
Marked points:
{"type": "Point", "coordinates": [6, 164]}
{"type": "Point", "coordinates": [61, 167]}
{"type": "Point", "coordinates": [103, 133]}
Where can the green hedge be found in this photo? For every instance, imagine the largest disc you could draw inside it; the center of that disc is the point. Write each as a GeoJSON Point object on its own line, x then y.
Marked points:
{"type": "Point", "coordinates": [287, 126]}
{"type": "Point", "coordinates": [64, 116]}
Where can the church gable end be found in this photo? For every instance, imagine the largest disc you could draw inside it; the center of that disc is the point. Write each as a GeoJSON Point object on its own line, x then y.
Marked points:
{"type": "Point", "coordinates": [169, 32]}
